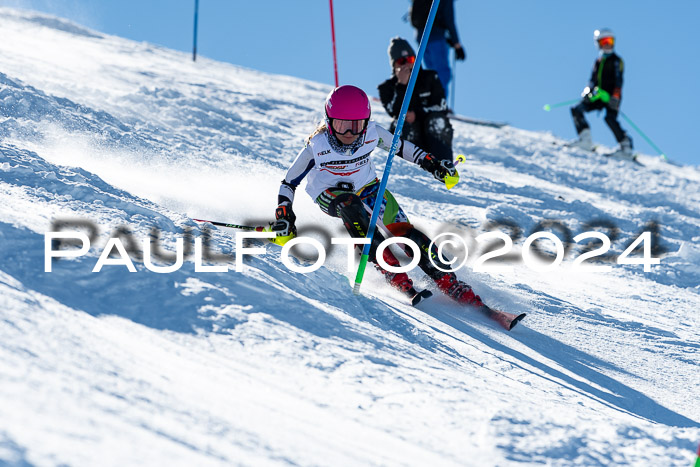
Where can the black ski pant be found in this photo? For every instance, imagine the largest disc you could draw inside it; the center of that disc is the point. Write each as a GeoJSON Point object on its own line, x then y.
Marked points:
{"type": "Point", "coordinates": [432, 133]}
{"type": "Point", "coordinates": [349, 207]}
{"type": "Point", "coordinates": [585, 106]}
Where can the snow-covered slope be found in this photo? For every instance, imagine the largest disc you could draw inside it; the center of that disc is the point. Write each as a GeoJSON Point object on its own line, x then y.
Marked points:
{"type": "Point", "coordinates": [271, 366]}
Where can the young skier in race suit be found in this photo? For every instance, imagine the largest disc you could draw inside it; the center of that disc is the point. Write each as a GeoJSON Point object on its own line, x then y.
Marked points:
{"type": "Point", "coordinates": [604, 91]}
{"type": "Point", "coordinates": [426, 123]}
{"type": "Point", "coordinates": [342, 180]}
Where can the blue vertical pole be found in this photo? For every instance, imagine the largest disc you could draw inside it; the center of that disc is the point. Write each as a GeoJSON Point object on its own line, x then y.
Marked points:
{"type": "Point", "coordinates": [394, 146]}
{"type": "Point", "coordinates": [196, 18]}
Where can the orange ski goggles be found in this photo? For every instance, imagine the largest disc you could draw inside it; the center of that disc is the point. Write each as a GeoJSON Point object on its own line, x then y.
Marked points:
{"type": "Point", "coordinates": [606, 42]}
{"type": "Point", "coordinates": [401, 61]}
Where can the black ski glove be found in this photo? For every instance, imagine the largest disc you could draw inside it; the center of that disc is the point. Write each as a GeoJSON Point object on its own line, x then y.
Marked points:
{"type": "Point", "coordinates": [439, 168]}
{"type": "Point", "coordinates": [460, 53]}
{"type": "Point", "coordinates": [284, 225]}
{"type": "Point", "coordinates": [614, 103]}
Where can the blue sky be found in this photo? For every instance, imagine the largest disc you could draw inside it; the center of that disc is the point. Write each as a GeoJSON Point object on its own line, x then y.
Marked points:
{"type": "Point", "coordinates": [521, 55]}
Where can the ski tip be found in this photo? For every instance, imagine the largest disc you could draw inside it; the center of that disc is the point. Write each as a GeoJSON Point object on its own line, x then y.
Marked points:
{"type": "Point", "coordinates": [516, 320]}
{"type": "Point", "coordinates": [420, 296]}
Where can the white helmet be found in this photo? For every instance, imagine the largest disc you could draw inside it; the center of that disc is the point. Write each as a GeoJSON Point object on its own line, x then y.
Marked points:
{"type": "Point", "coordinates": [604, 38]}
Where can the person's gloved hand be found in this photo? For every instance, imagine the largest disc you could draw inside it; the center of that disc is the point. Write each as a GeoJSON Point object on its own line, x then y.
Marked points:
{"type": "Point", "coordinates": [460, 53]}
{"type": "Point", "coordinates": [614, 103]}
{"type": "Point", "coordinates": [284, 225]}
{"type": "Point", "coordinates": [615, 98]}
{"type": "Point", "coordinates": [586, 92]}
{"type": "Point", "coordinates": [403, 73]}
{"type": "Point", "coordinates": [599, 94]}
{"type": "Point", "coordinates": [439, 168]}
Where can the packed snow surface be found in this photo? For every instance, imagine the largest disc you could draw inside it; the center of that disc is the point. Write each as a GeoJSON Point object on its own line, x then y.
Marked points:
{"type": "Point", "coordinates": [127, 140]}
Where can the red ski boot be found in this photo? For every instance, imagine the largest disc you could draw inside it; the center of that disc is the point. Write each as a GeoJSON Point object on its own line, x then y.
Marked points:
{"type": "Point", "coordinates": [458, 290]}
{"type": "Point", "coordinates": [462, 293]}
{"type": "Point", "coordinates": [400, 280]}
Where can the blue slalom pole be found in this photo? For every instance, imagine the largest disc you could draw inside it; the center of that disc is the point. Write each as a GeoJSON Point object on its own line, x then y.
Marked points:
{"type": "Point", "coordinates": [196, 17]}
{"type": "Point", "coordinates": [394, 146]}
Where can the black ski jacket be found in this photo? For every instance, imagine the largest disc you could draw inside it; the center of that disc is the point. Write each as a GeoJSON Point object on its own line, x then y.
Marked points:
{"type": "Point", "coordinates": [607, 74]}
{"type": "Point", "coordinates": [428, 95]}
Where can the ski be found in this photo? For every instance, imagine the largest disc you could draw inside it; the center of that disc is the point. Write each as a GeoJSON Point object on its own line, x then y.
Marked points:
{"type": "Point", "coordinates": [622, 158]}
{"type": "Point", "coordinates": [420, 296]}
{"type": "Point", "coordinates": [505, 319]}
{"type": "Point", "coordinates": [462, 118]}
{"type": "Point", "coordinates": [476, 121]}
{"type": "Point", "coordinates": [594, 150]}
{"type": "Point", "coordinates": [572, 145]}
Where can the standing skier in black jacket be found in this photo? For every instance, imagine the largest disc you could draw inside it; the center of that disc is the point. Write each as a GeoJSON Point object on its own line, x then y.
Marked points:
{"type": "Point", "coordinates": [604, 91]}
{"type": "Point", "coordinates": [426, 124]}
{"type": "Point", "coordinates": [442, 36]}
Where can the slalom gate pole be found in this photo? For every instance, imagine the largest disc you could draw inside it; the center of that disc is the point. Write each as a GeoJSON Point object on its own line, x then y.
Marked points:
{"type": "Point", "coordinates": [651, 143]}
{"type": "Point", "coordinates": [548, 107]}
{"type": "Point", "coordinates": [394, 147]}
{"type": "Point", "coordinates": [196, 20]}
{"type": "Point", "coordinates": [335, 57]}
{"type": "Point", "coordinates": [232, 226]}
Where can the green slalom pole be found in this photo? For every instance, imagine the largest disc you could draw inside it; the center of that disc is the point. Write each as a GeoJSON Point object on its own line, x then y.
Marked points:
{"type": "Point", "coordinates": [651, 143]}
{"type": "Point", "coordinates": [549, 107]}
{"type": "Point", "coordinates": [394, 147]}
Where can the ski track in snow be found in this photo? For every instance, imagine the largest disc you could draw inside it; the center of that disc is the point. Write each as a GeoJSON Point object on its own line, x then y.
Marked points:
{"type": "Point", "coordinates": [272, 366]}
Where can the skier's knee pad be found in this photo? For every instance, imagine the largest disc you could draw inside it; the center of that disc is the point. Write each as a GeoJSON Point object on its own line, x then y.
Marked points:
{"type": "Point", "coordinates": [332, 200]}
{"type": "Point", "coordinates": [399, 229]}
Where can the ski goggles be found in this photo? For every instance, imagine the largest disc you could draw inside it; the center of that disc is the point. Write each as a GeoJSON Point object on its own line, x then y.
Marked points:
{"type": "Point", "coordinates": [606, 42]}
{"type": "Point", "coordinates": [355, 127]}
{"type": "Point", "coordinates": [401, 61]}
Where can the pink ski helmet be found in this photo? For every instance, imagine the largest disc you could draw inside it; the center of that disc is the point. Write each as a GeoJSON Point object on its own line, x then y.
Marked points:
{"type": "Point", "coordinates": [348, 103]}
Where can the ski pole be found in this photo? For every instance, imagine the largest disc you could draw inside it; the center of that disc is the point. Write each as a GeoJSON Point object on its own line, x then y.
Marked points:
{"type": "Point", "coordinates": [394, 147]}
{"type": "Point", "coordinates": [259, 228]}
{"type": "Point", "coordinates": [452, 180]}
{"type": "Point", "coordinates": [651, 143]}
{"type": "Point", "coordinates": [549, 107]}
{"type": "Point", "coordinates": [279, 239]}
